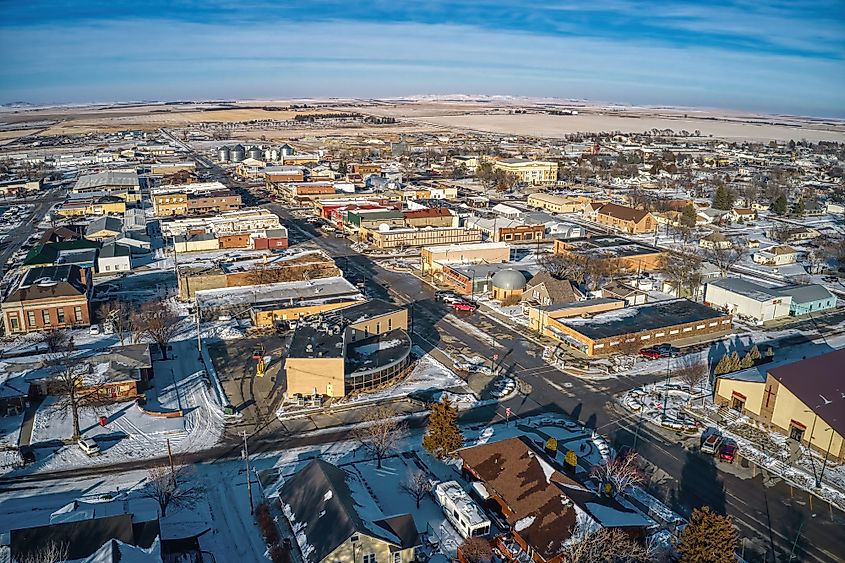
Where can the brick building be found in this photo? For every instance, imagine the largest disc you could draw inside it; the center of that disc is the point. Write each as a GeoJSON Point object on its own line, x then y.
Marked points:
{"type": "Point", "coordinates": [47, 298]}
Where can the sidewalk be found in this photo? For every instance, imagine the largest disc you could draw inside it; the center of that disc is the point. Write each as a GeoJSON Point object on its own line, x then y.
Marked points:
{"type": "Point", "coordinates": [29, 421]}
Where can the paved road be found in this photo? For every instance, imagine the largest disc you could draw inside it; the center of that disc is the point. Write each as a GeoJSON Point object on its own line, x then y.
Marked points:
{"type": "Point", "coordinates": [15, 240]}
{"type": "Point", "coordinates": [771, 516]}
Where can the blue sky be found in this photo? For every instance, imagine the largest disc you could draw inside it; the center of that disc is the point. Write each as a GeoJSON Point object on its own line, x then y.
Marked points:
{"type": "Point", "coordinates": [771, 56]}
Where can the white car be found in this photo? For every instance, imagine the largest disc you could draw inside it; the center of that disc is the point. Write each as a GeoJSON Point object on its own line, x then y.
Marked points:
{"type": "Point", "coordinates": [94, 330]}
{"type": "Point", "coordinates": [89, 446]}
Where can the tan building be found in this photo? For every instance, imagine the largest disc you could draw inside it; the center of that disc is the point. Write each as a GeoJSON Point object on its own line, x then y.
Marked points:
{"type": "Point", "coordinates": [528, 171]}
{"type": "Point", "coordinates": [802, 400]}
{"type": "Point", "coordinates": [617, 253]}
{"type": "Point", "coordinates": [559, 204]}
{"type": "Point", "coordinates": [438, 217]}
{"type": "Point", "coordinates": [348, 350]}
{"type": "Point", "coordinates": [625, 219]}
{"type": "Point", "coordinates": [123, 184]}
{"type": "Point", "coordinates": [433, 258]}
{"type": "Point", "coordinates": [196, 242]}
{"type": "Point", "coordinates": [103, 205]}
{"type": "Point", "coordinates": [319, 504]}
{"type": "Point", "coordinates": [540, 315]}
{"type": "Point", "coordinates": [639, 327]}
{"type": "Point", "coordinates": [429, 236]}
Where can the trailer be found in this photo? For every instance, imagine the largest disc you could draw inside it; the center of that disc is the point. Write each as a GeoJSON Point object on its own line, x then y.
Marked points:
{"type": "Point", "coordinates": [463, 513]}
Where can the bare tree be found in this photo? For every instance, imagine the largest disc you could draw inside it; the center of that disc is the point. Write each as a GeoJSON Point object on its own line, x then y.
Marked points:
{"type": "Point", "coordinates": [73, 387]}
{"type": "Point", "coordinates": [607, 545]}
{"type": "Point", "coordinates": [159, 323]}
{"type": "Point", "coordinates": [621, 471]}
{"type": "Point", "coordinates": [691, 373]}
{"type": "Point", "coordinates": [683, 268]}
{"type": "Point", "coordinates": [476, 550]}
{"type": "Point", "coordinates": [380, 432]}
{"type": "Point", "coordinates": [726, 258]}
{"type": "Point", "coordinates": [172, 487]}
{"type": "Point", "coordinates": [417, 485]}
{"type": "Point", "coordinates": [51, 553]}
{"type": "Point", "coordinates": [119, 315]}
{"type": "Point", "coordinates": [57, 340]}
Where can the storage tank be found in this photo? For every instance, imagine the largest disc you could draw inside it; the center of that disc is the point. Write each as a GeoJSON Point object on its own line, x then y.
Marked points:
{"type": "Point", "coordinates": [223, 154]}
{"type": "Point", "coordinates": [255, 152]}
{"type": "Point", "coordinates": [237, 154]}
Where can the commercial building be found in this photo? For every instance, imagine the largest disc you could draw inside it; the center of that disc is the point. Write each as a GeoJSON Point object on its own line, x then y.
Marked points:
{"type": "Point", "coordinates": [616, 252]}
{"type": "Point", "coordinates": [643, 325]}
{"type": "Point", "coordinates": [194, 199]}
{"type": "Point", "coordinates": [46, 298]}
{"type": "Point", "coordinates": [540, 315]}
{"type": "Point", "coordinates": [759, 303]}
{"type": "Point", "coordinates": [507, 230]}
{"type": "Point", "coordinates": [802, 400]}
{"type": "Point", "coordinates": [433, 258]}
{"type": "Point", "coordinates": [104, 227]}
{"type": "Point", "coordinates": [241, 221]}
{"type": "Point", "coordinates": [98, 205]}
{"type": "Point", "coordinates": [429, 236]}
{"type": "Point", "coordinates": [528, 171]}
{"type": "Point", "coordinates": [124, 185]}
{"type": "Point", "coordinates": [348, 350]}
{"type": "Point", "coordinates": [114, 258]}
{"type": "Point", "coordinates": [438, 217]}
{"type": "Point", "coordinates": [560, 204]}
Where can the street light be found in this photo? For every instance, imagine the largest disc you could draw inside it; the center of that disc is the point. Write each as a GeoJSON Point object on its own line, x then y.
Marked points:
{"type": "Point", "coordinates": [826, 454]}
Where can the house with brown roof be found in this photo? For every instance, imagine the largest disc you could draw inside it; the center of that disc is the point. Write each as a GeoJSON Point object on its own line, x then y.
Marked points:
{"type": "Point", "coordinates": [544, 289]}
{"type": "Point", "coordinates": [625, 219]}
{"type": "Point", "coordinates": [545, 509]}
{"type": "Point", "coordinates": [47, 298]}
{"type": "Point", "coordinates": [804, 400]}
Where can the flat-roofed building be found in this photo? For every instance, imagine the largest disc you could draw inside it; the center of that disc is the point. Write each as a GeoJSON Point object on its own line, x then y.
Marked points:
{"type": "Point", "coordinates": [559, 204]}
{"type": "Point", "coordinates": [433, 259]}
{"type": "Point", "coordinates": [617, 252]}
{"type": "Point", "coordinates": [429, 236]}
{"type": "Point", "coordinates": [528, 171]}
{"type": "Point", "coordinates": [123, 184]}
{"type": "Point", "coordinates": [642, 325]}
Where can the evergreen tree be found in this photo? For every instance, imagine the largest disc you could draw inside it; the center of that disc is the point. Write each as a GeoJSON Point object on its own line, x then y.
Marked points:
{"type": "Point", "coordinates": [779, 205]}
{"type": "Point", "coordinates": [735, 362]}
{"type": "Point", "coordinates": [708, 538]}
{"type": "Point", "coordinates": [443, 435]}
{"type": "Point", "coordinates": [747, 361]}
{"type": "Point", "coordinates": [723, 199]}
{"type": "Point", "coordinates": [800, 207]}
{"type": "Point", "coordinates": [754, 353]}
{"type": "Point", "coordinates": [688, 216]}
{"type": "Point", "coordinates": [722, 366]}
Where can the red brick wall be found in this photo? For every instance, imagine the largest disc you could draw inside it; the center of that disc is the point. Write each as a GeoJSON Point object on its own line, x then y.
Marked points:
{"type": "Point", "coordinates": [234, 241]}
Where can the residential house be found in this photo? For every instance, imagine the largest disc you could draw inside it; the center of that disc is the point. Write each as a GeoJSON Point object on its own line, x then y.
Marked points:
{"type": "Point", "coordinates": [625, 219]}
{"type": "Point", "coordinates": [780, 255]}
{"type": "Point", "coordinates": [742, 214]}
{"type": "Point", "coordinates": [544, 289]}
{"type": "Point", "coordinates": [114, 258]}
{"type": "Point", "coordinates": [714, 241]}
{"type": "Point", "coordinates": [337, 521]}
{"type": "Point", "coordinates": [618, 290]}
{"type": "Point", "coordinates": [81, 252]}
{"type": "Point", "coordinates": [802, 400]}
{"type": "Point", "coordinates": [103, 228]}
{"type": "Point", "coordinates": [46, 298]}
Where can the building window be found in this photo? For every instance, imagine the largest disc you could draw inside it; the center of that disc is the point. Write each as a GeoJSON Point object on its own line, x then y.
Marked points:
{"type": "Point", "coordinates": [397, 557]}
{"type": "Point", "coordinates": [30, 317]}
{"type": "Point", "coordinates": [60, 316]}
{"type": "Point", "coordinates": [353, 539]}
{"type": "Point", "coordinates": [77, 314]}
{"type": "Point", "coordinates": [45, 316]}
{"type": "Point", "coordinates": [369, 558]}
{"type": "Point", "coordinates": [796, 433]}
{"type": "Point", "coordinates": [13, 322]}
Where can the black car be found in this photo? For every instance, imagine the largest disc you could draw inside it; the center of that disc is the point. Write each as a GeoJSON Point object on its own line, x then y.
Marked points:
{"type": "Point", "coordinates": [667, 350]}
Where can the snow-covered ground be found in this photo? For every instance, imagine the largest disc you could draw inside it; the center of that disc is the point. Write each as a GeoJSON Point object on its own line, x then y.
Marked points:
{"type": "Point", "coordinates": [179, 383]}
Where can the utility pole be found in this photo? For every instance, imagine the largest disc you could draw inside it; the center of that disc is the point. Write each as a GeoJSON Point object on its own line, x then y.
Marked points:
{"type": "Point", "coordinates": [170, 459]}
{"type": "Point", "coordinates": [248, 476]}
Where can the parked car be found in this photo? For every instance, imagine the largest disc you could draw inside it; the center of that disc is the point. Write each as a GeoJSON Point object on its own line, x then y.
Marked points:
{"type": "Point", "coordinates": [711, 444]}
{"type": "Point", "coordinates": [650, 353]}
{"type": "Point", "coordinates": [446, 296]}
{"type": "Point", "coordinates": [668, 351]}
{"type": "Point", "coordinates": [464, 306]}
{"type": "Point", "coordinates": [89, 446]}
{"type": "Point", "coordinates": [94, 330]}
{"type": "Point", "coordinates": [728, 451]}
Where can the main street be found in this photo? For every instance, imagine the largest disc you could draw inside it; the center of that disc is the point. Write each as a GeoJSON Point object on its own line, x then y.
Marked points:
{"type": "Point", "coordinates": [772, 515]}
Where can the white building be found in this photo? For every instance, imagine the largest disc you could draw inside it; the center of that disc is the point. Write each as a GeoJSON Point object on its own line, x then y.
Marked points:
{"type": "Point", "coordinates": [460, 510]}
{"type": "Point", "coordinates": [747, 300]}
{"type": "Point", "coordinates": [114, 258]}
{"type": "Point", "coordinates": [776, 256]}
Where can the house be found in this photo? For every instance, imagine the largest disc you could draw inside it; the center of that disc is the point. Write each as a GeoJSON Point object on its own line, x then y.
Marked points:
{"type": "Point", "coordinates": [337, 520]}
{"type": "Point", "coordinates": [714, 241]}
{"type": "Point", "coordinates": [625, 219]}
{"type": "Point", "coordinates": [114, 258]}
{"type": "Point", "coordinates": [618, 290]}
{"type": "Point", "coordinates": [792, 234]}
{"type": "Point", "coordinates": [802, 400]}
{"type": "Point", "coordinates": [48, 297]}
{"type": "Point", "coordinates": [780, 255]}
{"type": "Point", "coordinates": [543, 507]}
{"type": "Point", "coordinates": [640, 326]}
{"type": "Point", "coordinates": [710, 215]}
{"type": "Point", "coordinates": [103, 228]}
{"type": "Point", "coordinates": [740, 214]}
{"type": "Point", "coordinates": [544, 289]}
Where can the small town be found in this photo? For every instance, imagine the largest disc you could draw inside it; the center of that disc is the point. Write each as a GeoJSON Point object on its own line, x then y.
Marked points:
{"type": "Point", "coordinates": [429, 328]}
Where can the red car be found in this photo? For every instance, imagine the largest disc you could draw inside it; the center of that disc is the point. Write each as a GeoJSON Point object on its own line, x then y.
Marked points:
{"type": "Point", "coordinates": [727, 452]}
{"type": "Point", "coordinates": [651, 353]}
{"type": "Point", "coordinates": [463, 306]}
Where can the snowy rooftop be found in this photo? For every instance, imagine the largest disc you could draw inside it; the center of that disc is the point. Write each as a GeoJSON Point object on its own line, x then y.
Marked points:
{"type": "Point", "coordinates": [451, 496]}
{"type": "Point", "coordinates": [283, 293]}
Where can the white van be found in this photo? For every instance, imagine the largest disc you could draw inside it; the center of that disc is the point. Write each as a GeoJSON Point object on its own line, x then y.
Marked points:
{"type": "Point", "coordinates": [89, 446]}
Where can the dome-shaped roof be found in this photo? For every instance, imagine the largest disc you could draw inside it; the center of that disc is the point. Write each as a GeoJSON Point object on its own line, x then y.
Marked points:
{"type": "Point", "coordinates": [509, 279]}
